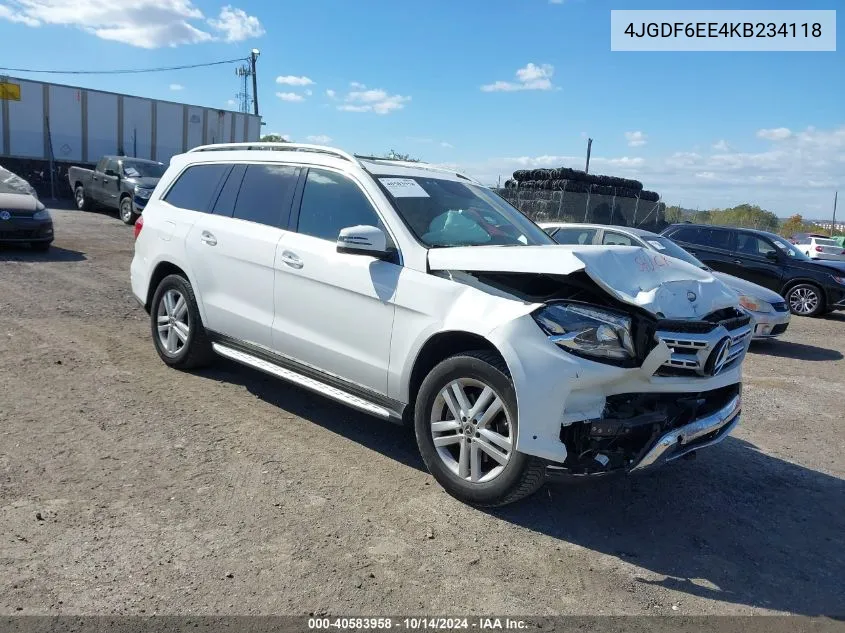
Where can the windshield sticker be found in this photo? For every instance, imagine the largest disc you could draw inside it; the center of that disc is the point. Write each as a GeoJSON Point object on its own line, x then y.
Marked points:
{"type": "Point", "coordinates": [657, 245]}
{"type": "Point", "coordinates": [781, 246]}
{"type": "Point", "coordinates": [404, 188]}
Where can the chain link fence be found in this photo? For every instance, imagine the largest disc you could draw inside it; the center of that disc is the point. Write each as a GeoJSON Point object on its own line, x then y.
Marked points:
{"type": "Point", "coordinates": [588, 207]}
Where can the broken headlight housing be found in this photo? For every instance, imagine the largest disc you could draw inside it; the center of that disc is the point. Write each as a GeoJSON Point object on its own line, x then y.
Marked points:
{"type": "Point", "coordinates": [589, 331]}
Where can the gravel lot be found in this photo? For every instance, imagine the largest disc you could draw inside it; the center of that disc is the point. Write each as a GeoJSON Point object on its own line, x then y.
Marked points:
{"type": "Point", "coordinates": [127, 487]}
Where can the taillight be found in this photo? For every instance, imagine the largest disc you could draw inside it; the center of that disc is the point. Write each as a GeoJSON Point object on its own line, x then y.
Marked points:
{"type": "Point", "coordinates": [139, 224]}
{"type": "Point", "coordinates": [819, 249]}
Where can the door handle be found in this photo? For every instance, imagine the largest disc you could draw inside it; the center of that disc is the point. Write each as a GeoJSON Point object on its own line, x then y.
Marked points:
{"type": "Point", "coordinates": [208, 238]}
{"type": "Point", "coordinates": [292, 259]}
{"type": "Point", "coordinates": [738, 262]}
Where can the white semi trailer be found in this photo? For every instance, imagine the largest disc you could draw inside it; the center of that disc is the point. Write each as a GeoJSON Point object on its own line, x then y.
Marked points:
{"type": "Point", "coordinates": [76, 126]}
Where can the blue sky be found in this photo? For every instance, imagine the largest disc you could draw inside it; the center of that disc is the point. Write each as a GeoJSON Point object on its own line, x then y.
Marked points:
{"type": "Point", "coordinates": [703, 129]}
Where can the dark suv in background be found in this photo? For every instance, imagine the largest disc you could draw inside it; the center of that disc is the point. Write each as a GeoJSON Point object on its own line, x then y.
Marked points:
{"type": "Point", "coordinates": [811, 288]}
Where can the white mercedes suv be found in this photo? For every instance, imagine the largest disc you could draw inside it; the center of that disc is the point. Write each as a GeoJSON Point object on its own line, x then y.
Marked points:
{"type": "Point", "coordinates": [415, 294]}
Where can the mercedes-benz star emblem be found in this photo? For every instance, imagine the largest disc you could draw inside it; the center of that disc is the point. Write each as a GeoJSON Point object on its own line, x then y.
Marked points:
{"type": "Point", "coordinates": [5, 215]}
{"type": "Point", "coordinates": [691, 296]}
{"type": "Point", "coordinates": [720, 354]}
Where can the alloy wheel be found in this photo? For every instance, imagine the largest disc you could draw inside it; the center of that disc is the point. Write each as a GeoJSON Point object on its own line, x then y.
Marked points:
{"type": "Point", "coordinates": [804, 300]}
{"type": "Point", "coordinates": [472, 430]}
{"type": "Point", "coordinates": [173, 321]}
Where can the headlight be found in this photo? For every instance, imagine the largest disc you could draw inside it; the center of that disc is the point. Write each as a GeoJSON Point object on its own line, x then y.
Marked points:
{"type": "Point", "coordinates": [588, 331]}
{"type": "Point", "coordinates": [41, 214]}
{"type": "Point", "coordinates": [143, 193]}
{"type": "Point", "coordinates": [839, 280]}
{"type": "Point", "coordinates": [754, 304]}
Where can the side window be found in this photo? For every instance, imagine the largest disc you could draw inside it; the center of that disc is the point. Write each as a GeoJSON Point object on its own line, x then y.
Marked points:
{"type": "Point", "coordinates": [194, 189]}
{"type": "Point", "coordinates": [611, 238]}
{"type": "Point", "coordinates": [331, 202]}
{"type": "Point", "coordinates": [265, 194]}
{"type": "Point", "coordinates": [718, 238]}
{"type": "Point", "coordinates": [225, 204]}
{"type": "Point", "coordinates": [748, 244]}
{"type": "Point", "coordinates": [551, 230]}
{"type": "Point", "coordinates": [687, 234]}
{"type": "Point", "coordinates": [113, 165]}
{"type": "Point", "coordinates": [101, 165]}
{"type": "Point", "coordinates": [575, 236]}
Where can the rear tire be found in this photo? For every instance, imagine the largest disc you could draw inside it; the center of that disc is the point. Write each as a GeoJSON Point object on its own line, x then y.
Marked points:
{"type": "Point", "coordinates": [178, 334]}
{"type": "Point", "coordinates": [806, 300]}
{"type": "Point", "coordinates": [472, 456]}
{"type": "Point", "coordinates": [83, 202]}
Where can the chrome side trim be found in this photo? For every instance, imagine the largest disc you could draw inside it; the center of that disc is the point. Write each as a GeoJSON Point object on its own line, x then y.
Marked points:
{"type": "Point", "coordinates": [682, 439]}
{"type": "Point", "coordinates": [312, 384]}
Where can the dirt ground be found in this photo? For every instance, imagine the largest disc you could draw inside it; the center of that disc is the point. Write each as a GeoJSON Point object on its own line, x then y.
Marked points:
{"type": "Point", "coordinates": [127, 487]}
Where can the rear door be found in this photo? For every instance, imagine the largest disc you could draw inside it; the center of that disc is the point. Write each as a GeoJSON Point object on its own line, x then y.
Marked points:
{"type": "Point", "coordinates": [711, 245]}
{"type": "Point", "coordinates": [110, 179]}
{"type": "Point", "coordinates": [756, 260]}
{"type": "Point", "coordinates": [233, 248]}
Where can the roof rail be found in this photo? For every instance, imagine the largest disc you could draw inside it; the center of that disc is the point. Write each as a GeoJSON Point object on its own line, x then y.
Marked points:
{"type": "Point", "coordinates": [283, 147]}
{"type": "Point", "coordinates": [418, 165]}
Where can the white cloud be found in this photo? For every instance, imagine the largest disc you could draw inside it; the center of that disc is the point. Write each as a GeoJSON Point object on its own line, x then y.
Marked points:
{"type": "Point", "coordinates": [142, 23]}
{"type": "Point", "coordinates": [797, 175]}
{"type": "Point", "coordinates": [308, 93]}
{"type": "Point", "coordinates": [290, 96]}
{"type": "Point", "coordinates": [320, 139]}
{"type": "Point", "coordinates": [7, 14]}
{"type": "Point", "coordinates": [293, 80]}
{"type": "Point", "coordinates": [236, 25]}
{"type": "Point", "coordinates": [446, 145]}
{"type": "Point", "coordinates": [331, 94]}
{"type": "Point", "coordinates": [775, 134]}
{"type": "Point", "coordinates": [636, 139]}
{"type": "Point", "coordinates": [531, 77]}
{"type": "Point", "coordinates": [361, 99]}
{"type": "Point", "coordinates": [721, 146]}
{"type": "Point", "coordinates": [556, 1]}
{"type": "Point", "coordinates": [231, 103]}
{"type": "Point", "coordinates": [177, 87]}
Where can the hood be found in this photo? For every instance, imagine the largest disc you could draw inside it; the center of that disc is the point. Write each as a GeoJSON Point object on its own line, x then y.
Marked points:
{"type": "Point", "coordinates": [834, 267]}
{"type": "Point", "coordinates": [20, 201]}
{"type": "Point", "coordinates": [745, 287]}
{"type": "Point", "coordinates": [145, 182]}
{"type": "Point", "coordinates": [665, 286]}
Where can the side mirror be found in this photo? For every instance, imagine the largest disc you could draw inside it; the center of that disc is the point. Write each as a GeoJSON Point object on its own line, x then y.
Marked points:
{"type": "Point", "coordinates": [111, 172]}
{"type": "Point", "coordinates": [363, 240]}
{"type": "Point", "coordinates": [772, 255]}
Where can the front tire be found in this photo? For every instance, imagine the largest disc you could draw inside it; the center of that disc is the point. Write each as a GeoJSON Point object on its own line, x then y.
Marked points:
{"type": "Point", "coordinates": [465, 421]}
{"type": "Point", "coordinates": [806, 300]}
{"type": "Point", "coordinates": [126, 212]}
{"type": "Point", "coordinates": [178, 334]}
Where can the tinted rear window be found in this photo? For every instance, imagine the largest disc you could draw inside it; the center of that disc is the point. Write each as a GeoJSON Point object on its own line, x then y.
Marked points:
{"type": "Point", "coordinates": [265, 194]}
{"type": "Point", "coordinates": [196, 186]}
{"type": "Point", "coordinates": [686, 234]}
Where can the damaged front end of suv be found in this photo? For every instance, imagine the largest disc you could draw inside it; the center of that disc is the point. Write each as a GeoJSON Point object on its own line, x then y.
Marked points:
{"type": "Point", "coordinates": [626, 359]}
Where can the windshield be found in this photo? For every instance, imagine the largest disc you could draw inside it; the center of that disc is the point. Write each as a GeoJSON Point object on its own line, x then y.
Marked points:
{"type": "Point", "coordinates": [444, 213]}
{"type": "Point", "coordinates": [668, 247]}
{"type": "Point", "coordinates": [787, 247]}
{"type": "Point", "coordinates": [143, 170]}
{"type": "Point", "coordinates": [12, 183]}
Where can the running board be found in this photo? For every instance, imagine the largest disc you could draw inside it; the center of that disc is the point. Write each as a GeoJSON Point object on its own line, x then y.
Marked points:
{"type": "Point", "coordinates": [307, 382]}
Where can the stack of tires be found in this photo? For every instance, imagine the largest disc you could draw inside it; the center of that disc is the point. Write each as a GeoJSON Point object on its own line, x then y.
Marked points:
{"type": "Point", "coordinates": [566, 194]}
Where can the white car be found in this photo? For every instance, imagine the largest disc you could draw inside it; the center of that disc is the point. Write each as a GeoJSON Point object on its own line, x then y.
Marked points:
{"type": "Point", "coordinates": [415, 294]}
{"type": "Point", "coordinates": [770, 311]}
{"type": "Point", "coordinates": [822, 248]}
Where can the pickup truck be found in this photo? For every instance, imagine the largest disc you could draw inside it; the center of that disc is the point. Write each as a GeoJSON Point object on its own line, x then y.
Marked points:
{"type": "Point", "coordinates": [117, 182]}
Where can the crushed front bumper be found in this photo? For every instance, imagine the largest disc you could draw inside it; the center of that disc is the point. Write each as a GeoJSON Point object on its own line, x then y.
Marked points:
{"type": "Point", "coordinates": [700, 433]}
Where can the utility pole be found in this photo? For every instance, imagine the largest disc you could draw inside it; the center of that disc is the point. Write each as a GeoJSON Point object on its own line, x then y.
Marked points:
{"type": "Point", "coordinates": [253, 56]}
{"type": "Point", "coordinates": [589, 148]}
{"type": "Point", "coordinates": [833, 224]}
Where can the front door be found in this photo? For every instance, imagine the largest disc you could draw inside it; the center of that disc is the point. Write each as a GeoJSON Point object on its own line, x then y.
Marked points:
{"type": "Point", "coordinates": [757, 260]}
{"type": "Point", "coordinates": [110, 194]}
{"type": "Point", "coordinates": [334, 311]}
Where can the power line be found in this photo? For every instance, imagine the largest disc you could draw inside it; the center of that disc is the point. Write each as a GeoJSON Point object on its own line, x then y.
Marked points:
{"type": "Point", "coordinates": [125, 71]}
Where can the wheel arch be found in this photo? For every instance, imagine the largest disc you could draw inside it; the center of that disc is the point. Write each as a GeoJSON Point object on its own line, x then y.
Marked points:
{"type": "Point", "coordinates": [162, 270]}
{"type": "Point", "coordinates": [789, 285]}
{"type": "Point", "coordinates": [437, 348]}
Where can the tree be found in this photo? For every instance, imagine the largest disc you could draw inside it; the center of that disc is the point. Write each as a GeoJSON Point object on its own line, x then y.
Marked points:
{"type": "Point", "coordinates": [273, 138]}
{"type": "Point", "coordinates": [796, 224]}
{"type": "Point", "coordinates": [748, 216]}
{"type": "Point", "coordinates": [394, 155]}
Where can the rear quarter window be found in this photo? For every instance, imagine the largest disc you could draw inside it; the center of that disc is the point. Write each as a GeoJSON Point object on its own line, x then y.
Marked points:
{"type": "Point", "coordinates": [196, 186]}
